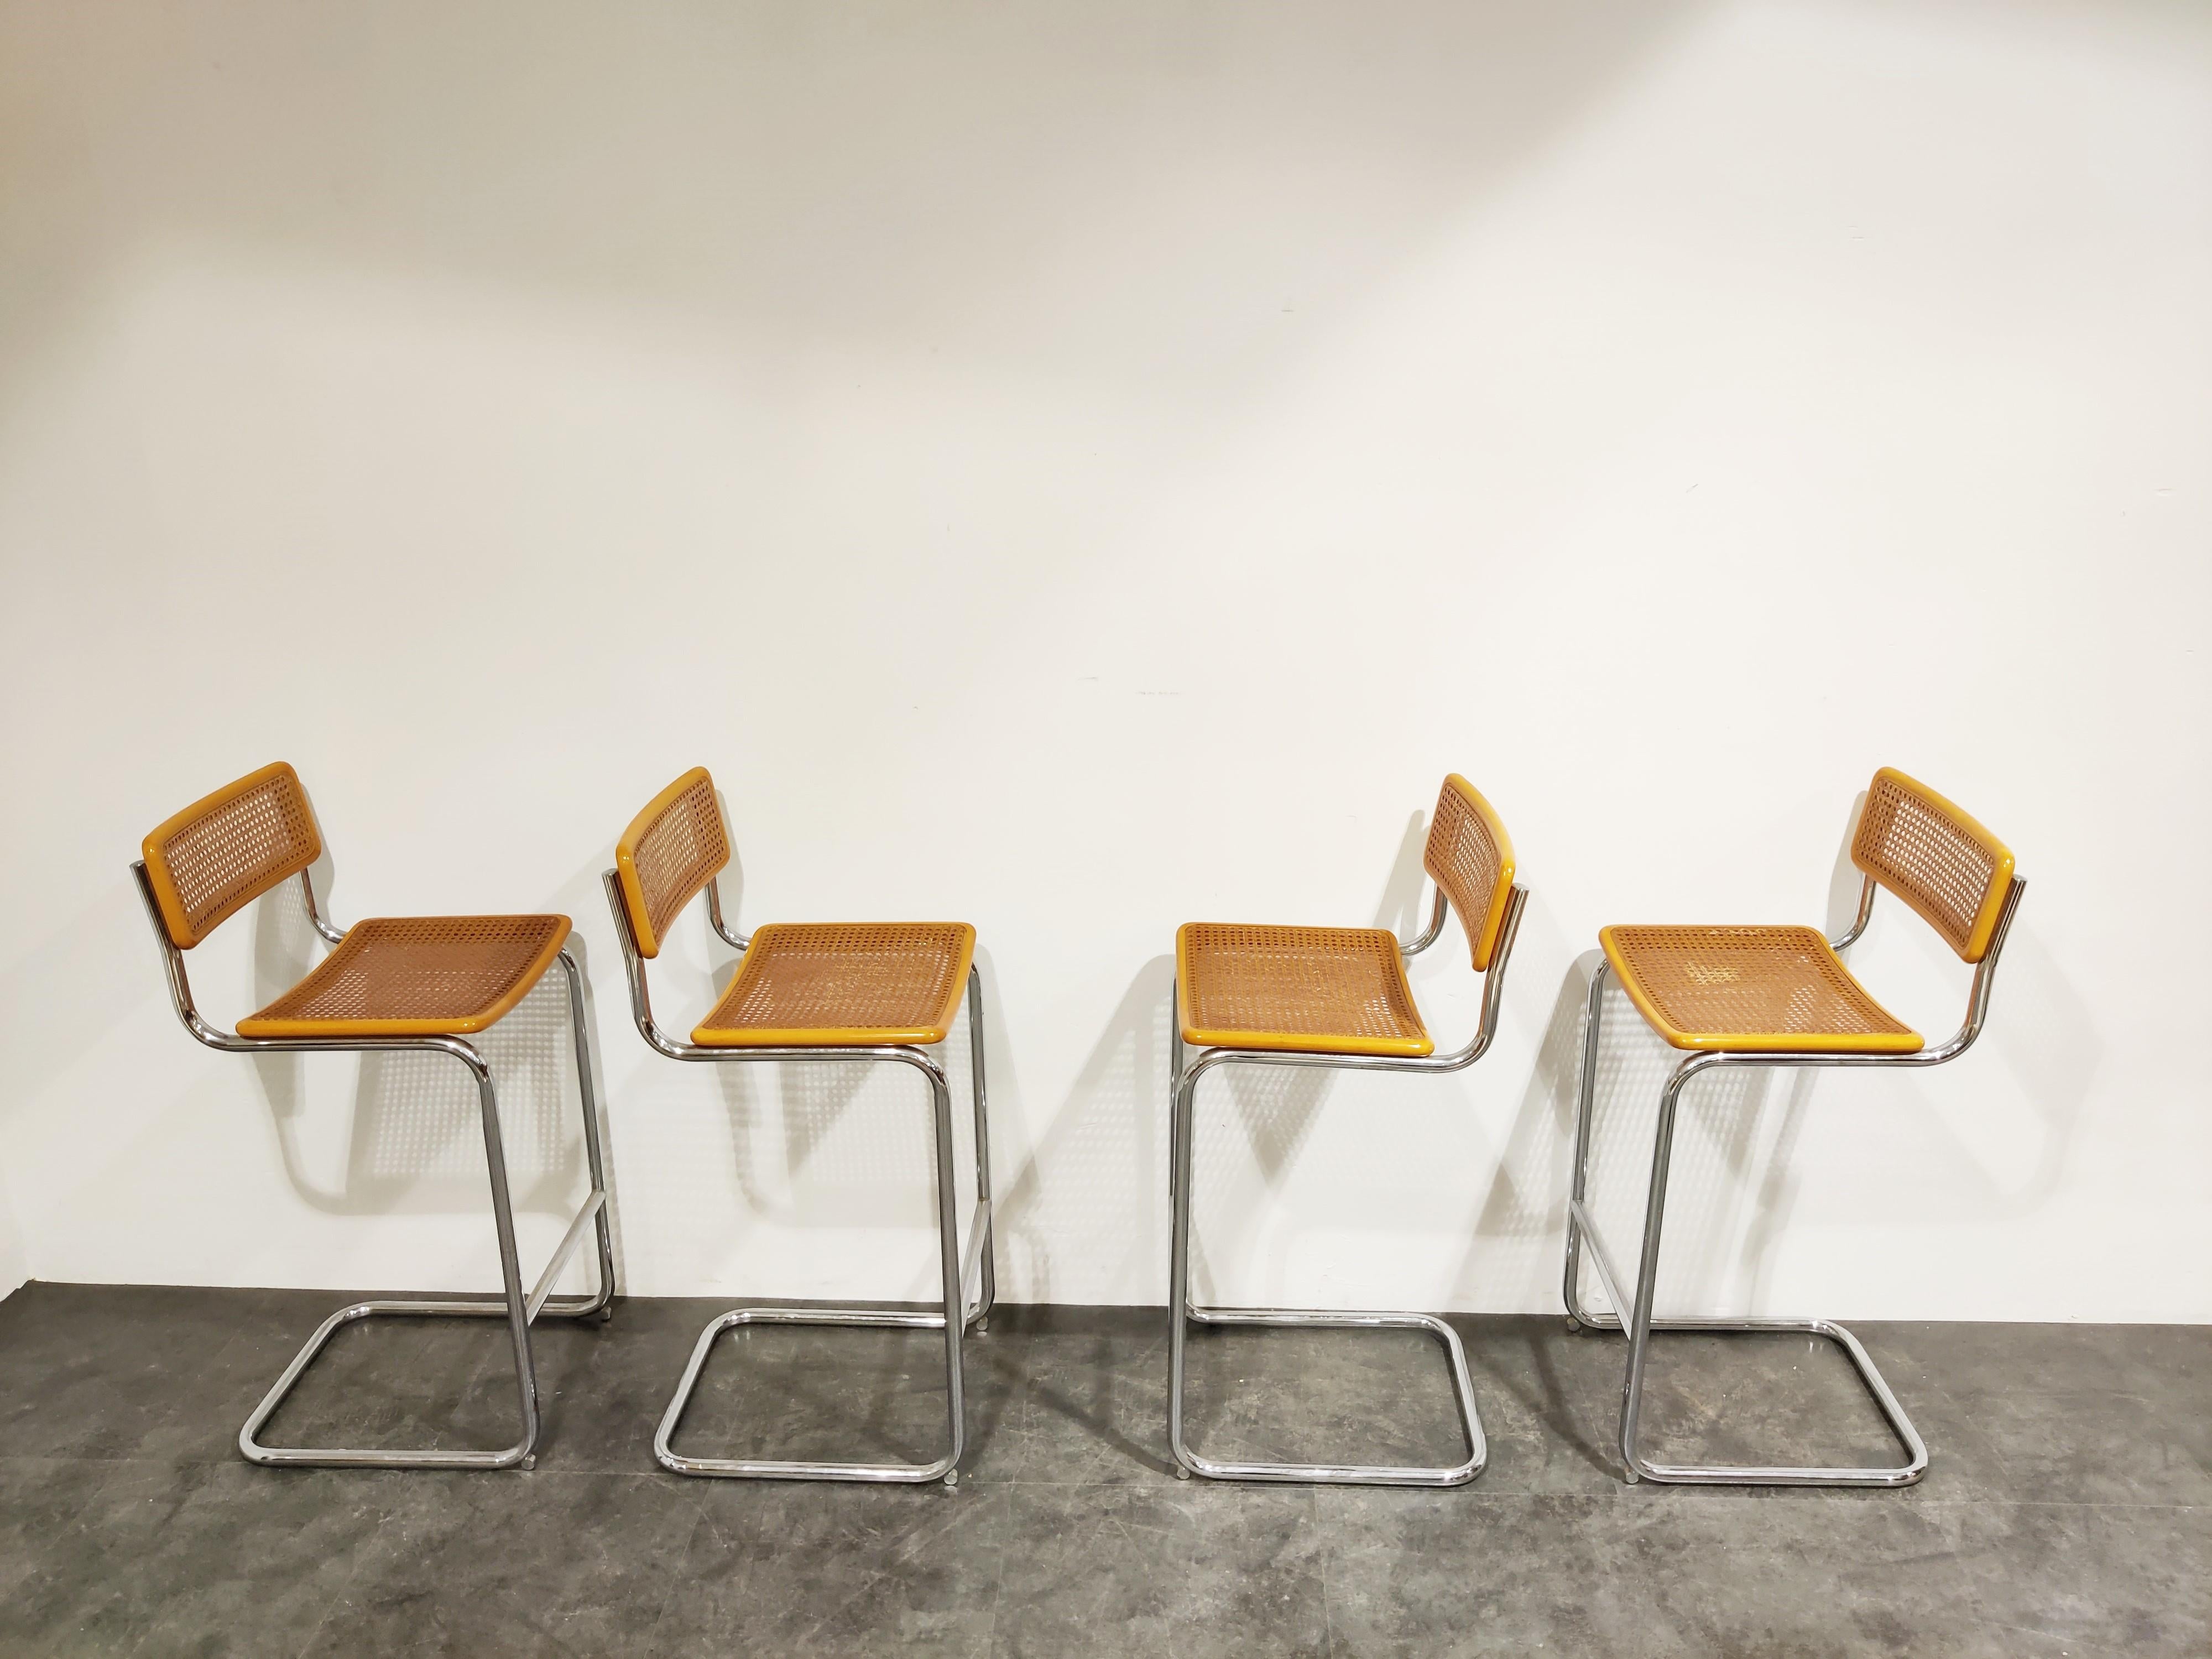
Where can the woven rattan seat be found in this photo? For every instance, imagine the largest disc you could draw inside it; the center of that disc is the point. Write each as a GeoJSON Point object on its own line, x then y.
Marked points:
{"type": "Point", "coordinates": [843, 983]}
{"type": "Point", "coordinates": [1751, 990]}
{"type": "Point", "coordinates": [1310, 990]}
{"type": "Point", "coordinates": [416, 976]}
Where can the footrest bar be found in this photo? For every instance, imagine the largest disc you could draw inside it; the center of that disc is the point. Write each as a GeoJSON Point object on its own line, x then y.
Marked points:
{"type": "Point", "coordinates": [353, 1457]}
{"type": "Point", "coordinates": [1736, 1474]}
{"type": "Point", "coordinates": [1352, 1474]}
{"type": "Point", "coordinates": [760, 1468]}
{"type": "Point", "coordinates": [979, 1229]}
{"type": "Point", "coordinates": [1724, 1475]}
{"type": "Point", "coordinates": [569, 1240]}
{"type": "Point", "coordinates": [1601, 1258]}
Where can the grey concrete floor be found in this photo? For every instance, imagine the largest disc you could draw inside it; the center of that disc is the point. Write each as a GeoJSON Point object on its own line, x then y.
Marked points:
{"type": "Point", "coordinates": [2069, 1510]}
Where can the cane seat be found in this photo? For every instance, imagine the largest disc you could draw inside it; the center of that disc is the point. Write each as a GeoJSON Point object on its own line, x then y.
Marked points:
{"type": "Point", "coordinates": [416, 976]}
{"type": "Point", "coordinates": [1308, 990]}
{"type": "Point", "coordinates": [843, 984]}
{"type": "Point", "coordinates": [1751, 990]}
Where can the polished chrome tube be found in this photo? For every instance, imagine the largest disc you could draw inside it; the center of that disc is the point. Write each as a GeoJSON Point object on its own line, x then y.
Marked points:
{"type": "Point", "coordinates": [562, 1251]}
{"type": "Point", "coordinates": [729, 936]}
{"type": "Point", "coordinates": [518, 1309]}
{"type": "Point", "coordinates": [1642, 1321]}
{"type": "Point", "coordinates": [1851, 937]}
{"type": "Point", "coordinates": [332, 932]}
{"type": "Point", "coordinates": [1183, 1080]}
{"type": "Point", "coordinates": [956, 1316]}
{"type": "Point", "coordinates": [1436, 911]}
{"type": "Point", "coordinates": [988, 1295]}
{"type": "Point", "coordinates": [953, 1321]}
{"type": "Point", "coordinates": [1578, 1179]}
{"type": "Point", "coordinates": [1493, 991]}
{"type": "Point", "coordinates": [579, 1027]}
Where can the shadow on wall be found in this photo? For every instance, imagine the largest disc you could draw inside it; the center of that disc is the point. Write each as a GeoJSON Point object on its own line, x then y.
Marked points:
{"type": "Point", "coordinates": [1096, 1185]}
{"type": "Point", "coordinates": [1072, 1192]}
{"type": "Point", "coordinates": [1731, 1184]}
{"type": "Point", "coordinates": [415, 1143]}
{"type": "Point", "coordinates": [1527, 1197]}
{"type": "Point", "coordinates": [417, 1139]}
{"type": "Point", "coordinates": [1398, 910]}
{"type": "Point", "coordinates": [2039, 1028]}
{"type": "Point", "coordinates": [1109, 1138]}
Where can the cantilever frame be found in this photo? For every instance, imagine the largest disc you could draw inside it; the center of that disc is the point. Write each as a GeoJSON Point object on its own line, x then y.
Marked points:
{"type": "Point", "coordinates": [959, 1314]}
{"type": "Point", "coordinates": [1183, 1085]}
{"type": "Point", "coordinates": [519, 1307]}
{"type": "Point", "coordinates": [1642, 1324]}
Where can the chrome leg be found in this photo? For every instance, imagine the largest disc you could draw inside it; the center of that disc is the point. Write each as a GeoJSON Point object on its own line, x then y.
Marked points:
{"type": "Point", "coordinates": [519, 1309]}
{"type": "Point", "coordinates": [1647, 1274]}
{"type": "Point", "coordinates": [988, 1290]}
{"type": "Point", "coordinates": [1181, 1312]}
{"type": "Point", "coordinates": [512, 1308]}
{"type": "Point", "coordinates": [952, 1321]}
{"type": "Point", "coordinates": [1586, 1089]}
{"type": "Point", "coordinates": [1643, 1323]}
{"type": "Point", "coordinates": [1175, 1077]}
{"type": "Point", "coordinates": [956, 1290]}
{"type": "Point", "coordinates": [1179, 1162]}
{"type": "Point", "coordinates": [602, 1303]}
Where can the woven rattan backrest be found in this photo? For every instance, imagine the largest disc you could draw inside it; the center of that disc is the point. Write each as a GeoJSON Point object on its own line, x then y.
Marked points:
{"type": "Point", "coordinates": [1935, 857]}
{"type": "Point", "coordinates": [670, 851]}
{"type": "Point", "coordinates": [224, 852]}
{"type": "Point", "coordinates": [1471, 858]}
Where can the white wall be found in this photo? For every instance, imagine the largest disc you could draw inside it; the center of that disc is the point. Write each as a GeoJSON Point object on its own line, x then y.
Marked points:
{"type": "Point", "coordinates": [1081, 469]}
{"type": "Point", "coordinates": [15, 1260]}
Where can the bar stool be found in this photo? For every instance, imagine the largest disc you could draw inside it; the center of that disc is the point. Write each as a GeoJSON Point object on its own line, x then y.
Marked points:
{"type": "Point", "coordinates": [421, 984]}
{"type": "Point", "coordinates": [1333, 997]}
{"type": "Point", "coordinates": [842, 993]}
{"type": "Point", "coordinates": [1734, 997]}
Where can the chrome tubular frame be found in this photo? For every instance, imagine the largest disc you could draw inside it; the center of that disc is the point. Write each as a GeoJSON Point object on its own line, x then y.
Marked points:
{"type": "Point", "coordinates": [1643, 1323]}
{"type": "Point", "coordinates": [1184, 1089]}
{"type": "Point", "coordinates": [955, 1269]}
{"type": "Point", "coordinates": [519, 1307]}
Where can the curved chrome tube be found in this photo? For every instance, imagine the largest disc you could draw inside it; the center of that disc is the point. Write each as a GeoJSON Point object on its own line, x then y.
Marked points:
{"type": "Point", "coordinates": [519, 1308]}
{"type": "Point", "coordinates": [1977, 1009]}
{"type": "Point", "coordinates": [180, 997]}
{"type": "Point", "coordinates": [714, 914]}
{"type": "Point", "coordinates": [1429, 934]}
{"type": "Point", "coordinates": [1493, 991]}
{"type": "Point", "coordinates": [1183, 1093]}
{"type": "Point", "coordinates": [959, 1316]}
{"type": "Point", "coordinates": [332, 932]}
{"type": "Point", "coordinates": [1642, 1322]}
{"type": "Point", "coordinates": [1866, 910]}
{"type": "Point", "coordinates": [640, 1004]}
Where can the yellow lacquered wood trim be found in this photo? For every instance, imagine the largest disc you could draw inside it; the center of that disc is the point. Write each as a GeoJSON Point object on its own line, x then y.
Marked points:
{"type": "Point", "coordinates": [1303, 1043]}
{"type": "Point", "coordinates": [838, 1036]}
{"type": "Point", "coordinates": [1483, 939]}
{"type": "Point", "coordinates": [1985, 918]}
{"type": "Point", "coordinates": [626, 875]}
{"type": "Point", "coordinates": [254, 1026]}
{"type": "Point", "coordinates": [1756, 1042]}
{"type": "Point", "coordinates": [173, 918]}
{"type": "Point", "coordinates": [1285, 1042]}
